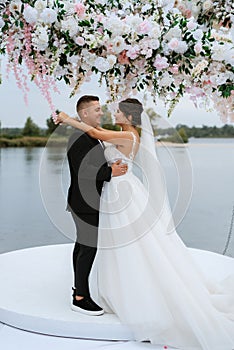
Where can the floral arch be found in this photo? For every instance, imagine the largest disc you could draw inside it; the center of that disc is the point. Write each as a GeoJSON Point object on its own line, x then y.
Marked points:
{"type": "Point", "coordinates": [168, 47]}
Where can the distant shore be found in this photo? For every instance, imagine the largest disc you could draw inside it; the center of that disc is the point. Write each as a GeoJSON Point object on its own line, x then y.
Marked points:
{"type": "Point", "coordinates": [194, 144]}
{"type": "Point", "coordinates": [32, 141]}
{"type": "Point", "coordinates": [42, 141]}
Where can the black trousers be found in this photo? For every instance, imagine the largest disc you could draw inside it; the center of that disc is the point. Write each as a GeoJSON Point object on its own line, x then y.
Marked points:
{"type": "Point", "coordinates": [85, 250]}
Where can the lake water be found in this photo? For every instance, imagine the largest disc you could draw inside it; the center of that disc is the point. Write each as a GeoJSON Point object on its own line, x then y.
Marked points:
{"type": "Point", "coordinates": [26, 222]}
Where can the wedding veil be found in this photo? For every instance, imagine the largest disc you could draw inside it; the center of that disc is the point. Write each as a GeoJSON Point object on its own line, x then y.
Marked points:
{"type": "Point", "coordinates": [153, 176]}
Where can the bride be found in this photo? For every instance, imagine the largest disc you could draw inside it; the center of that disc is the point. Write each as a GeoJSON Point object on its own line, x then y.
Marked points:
{"type": "Point", "coordinates": [145, 274]}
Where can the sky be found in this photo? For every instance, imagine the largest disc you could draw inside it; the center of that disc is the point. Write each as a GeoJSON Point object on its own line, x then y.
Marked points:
{"type": "Point", "coordinates": [14, 111]}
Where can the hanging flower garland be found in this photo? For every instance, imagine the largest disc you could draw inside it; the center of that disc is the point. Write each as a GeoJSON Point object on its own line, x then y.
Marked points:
{"type": "Point", "coordinates": [170, 48]}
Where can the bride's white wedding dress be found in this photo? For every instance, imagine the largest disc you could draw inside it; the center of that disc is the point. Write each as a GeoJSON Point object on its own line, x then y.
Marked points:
{"type": "Point", "coordinates": [149, 279]}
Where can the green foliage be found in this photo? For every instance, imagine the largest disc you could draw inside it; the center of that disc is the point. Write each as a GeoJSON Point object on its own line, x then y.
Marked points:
{"type": "Point", "coordinates": [184, 132]}
{"type": "Point", "coordinates": [106, 120]}
{"type": "Point", "coordinates": [30, 128]}
{"type": "Point", "coordinates": [208, 131]}
{"type": "Point", "coordinates": [183, 135]}
{"type": "Point", "coordinates": [51, 126]}
{"type": "Point", "coordinates": [11, 133]}
{"type": "Point", "coordinates": [26, 141]}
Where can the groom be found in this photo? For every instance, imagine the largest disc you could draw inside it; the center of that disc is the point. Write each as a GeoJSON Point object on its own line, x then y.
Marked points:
{"type": "Point", "coordinates": [88, 172]}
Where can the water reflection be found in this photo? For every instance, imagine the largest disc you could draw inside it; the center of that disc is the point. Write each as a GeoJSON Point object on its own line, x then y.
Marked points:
{"type": "Point", "coordinates": [24, 221]}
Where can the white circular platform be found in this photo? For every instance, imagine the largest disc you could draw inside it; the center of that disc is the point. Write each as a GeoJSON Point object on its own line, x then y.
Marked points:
{"type": "Point", "coordinates": [36, 286]}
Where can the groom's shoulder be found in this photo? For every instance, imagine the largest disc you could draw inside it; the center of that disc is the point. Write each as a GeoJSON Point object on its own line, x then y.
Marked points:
{"type": "Point", "coordinates": [76, 137]}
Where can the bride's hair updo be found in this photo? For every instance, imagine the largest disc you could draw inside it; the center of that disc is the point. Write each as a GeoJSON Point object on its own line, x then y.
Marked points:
{"type": "Point", "coordinates": [133, 107]}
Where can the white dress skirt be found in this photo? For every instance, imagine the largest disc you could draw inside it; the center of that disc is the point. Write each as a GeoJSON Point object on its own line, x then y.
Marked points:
{"type": "Point", "coordinates": [150, 280]}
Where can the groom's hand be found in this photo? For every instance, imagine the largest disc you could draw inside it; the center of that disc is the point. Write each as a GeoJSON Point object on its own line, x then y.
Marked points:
{"type": "Point", "coordinates": [119, 168]}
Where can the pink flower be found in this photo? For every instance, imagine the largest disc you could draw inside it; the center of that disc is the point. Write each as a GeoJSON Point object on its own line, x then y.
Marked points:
{"type": "Point", "coordinates": [195, 92]}
{"type": "Point", "coordinates": [198, 47]}
{"type": "Point", "coordinates": [133, 51]}
{"type": "Point", "coordinates": [206, 82]}
{"type": "Point", "coordinates": [188, 13]}
{"type": "Point", "coordinates": [122, 58]}
{"type": "Point", "coordinates": [109, 47]}
{"type": "Point", "coordinates": [100, 30]}
{"type": "Point", "coordinates": [182, 8]}
{"type": "Point", "coordinates": [160, 63]}
{"type": "Point", "coordinates": [99, 18]}
{"type": "Point", "coordinates": [174, 69]}
{"type": "Point", "coordinates": [191, 25]}
{"type": "Point", "coordinates": [144, 27]}
{"type": "Point", "coordinates": [80, 10]}
{"type": "Point", "coordinates": [173, 44]}
{"type": "Point", "coordinates": [80, 41]}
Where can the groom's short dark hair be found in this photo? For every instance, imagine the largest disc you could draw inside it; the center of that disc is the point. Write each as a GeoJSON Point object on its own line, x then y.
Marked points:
{"type": "Point", "coordinates": [83, 100]}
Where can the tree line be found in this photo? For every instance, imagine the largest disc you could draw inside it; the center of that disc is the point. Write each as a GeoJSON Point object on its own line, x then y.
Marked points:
{"type": "Point", "coordinates": [183, 131]}
{"type": "Point", "coordinates": [30, 129]}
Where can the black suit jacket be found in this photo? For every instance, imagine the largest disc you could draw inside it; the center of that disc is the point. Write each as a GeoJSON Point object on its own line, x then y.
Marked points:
{"type": "Point", "coordinates": [88, 171]}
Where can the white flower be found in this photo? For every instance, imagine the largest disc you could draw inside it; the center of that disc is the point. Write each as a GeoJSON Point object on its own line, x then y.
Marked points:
{"type": "Point", "coordinates": [15, 6]}
{"type": "Point", "coordinates": [146, 8]}
{"type": "Point", "coordinates": [88, 59]}
{"type": "Point", "coordinates": [195, 10]}
{"type": "Point", "coordinates": [101, 2]}
{"type": "Point", "coordinates": [229, 57]}
{"type": "Point", "coordinates": [198, 47]}
{"type": "Point", "coordinates": [68, 7]}
{"type": "Point", "coordinates": [221, 78]}
{"type": "Point", "coordinates": [173, 44]}
{"type": "Point", "coordinates": [92, 40]}
{"type": "Point", "coordinates": [2, 23]}
{"type": "Point", "coordinates": [182, 48]}
{"type": "Point", "coordinates": [30, 15]}
{"type": "Point", "coordinates": [111, 60]}
{"type": "Point", "coordinates": [155, 32]}
{"type": "Point", "coordinates": [178, 46]}
{"type": "Point", "coordinates": [3, 2]}
{"type": "Point", "coordinates": [48, 16]}
{"type": "Point", "coordinates": [71, 26]}
{"type": "Point", "coordinates": [222, 52]}
{"type": "Point", "coordinates": [199, 67]}
{"type": "Point", "coordinates": [73, 59]}
{"type": "Point", "coordinates": [40, 5]}
{"type": "Point", "coordinates": [102, 64]}
{"type": "Point", "coordinates": [173, 33]}
{"type": "Point", "coordinates": [207, 5]}
{"type": "Point", "coordinates": [118, 45]}
{"type": "Point", "coordinates": [153, 44]}
{"type": "Point", "coordinates": [115, 25]}
{"type": "Point", "coordinates": [60, 71]}
{"type": "Point", "coordinates": [198, 34]}
{"type": "Point", "coordinates": [133, 21]}
{"type": "Point", "coordinates": [40, 38]}
{"type": "Point", "coordinates": [166, 80]}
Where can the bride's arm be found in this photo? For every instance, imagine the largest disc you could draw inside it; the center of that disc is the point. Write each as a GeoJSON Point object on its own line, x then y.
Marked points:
{"type": "Point", "coordinates": [97, 133]}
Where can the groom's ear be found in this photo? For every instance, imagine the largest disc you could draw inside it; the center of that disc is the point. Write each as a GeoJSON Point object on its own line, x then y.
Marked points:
{"type": "Point", "coordinates": [86, 112]}
{"type": "Point", "coordinates": [82, 114]}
